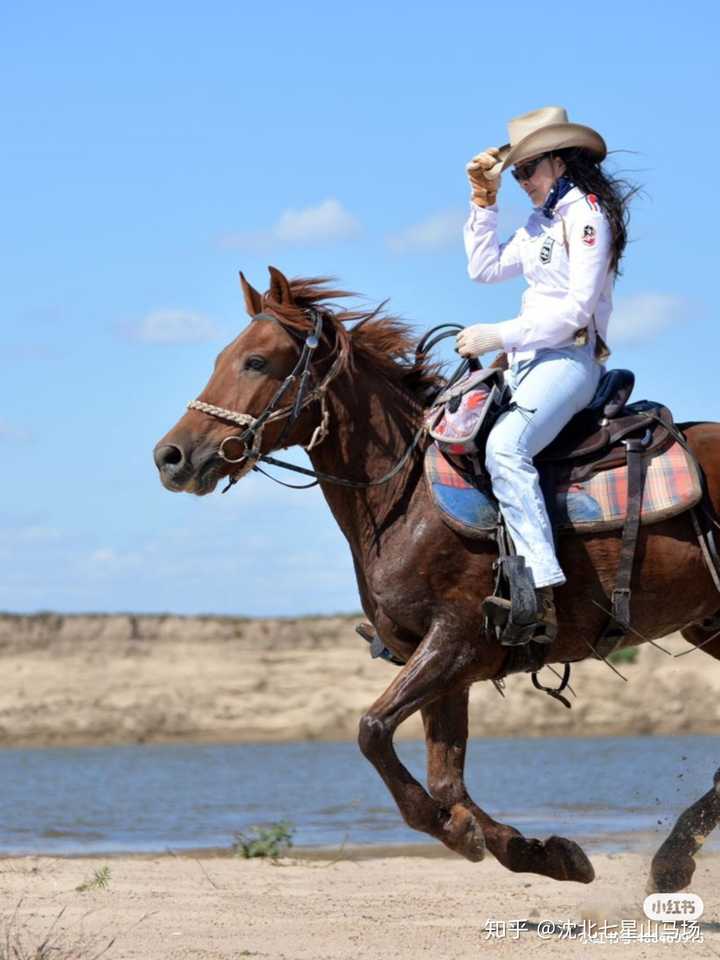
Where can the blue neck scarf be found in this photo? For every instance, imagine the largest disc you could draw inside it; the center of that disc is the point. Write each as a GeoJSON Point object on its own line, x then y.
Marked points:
{"type": "Point", "coordinates": [562, 185]}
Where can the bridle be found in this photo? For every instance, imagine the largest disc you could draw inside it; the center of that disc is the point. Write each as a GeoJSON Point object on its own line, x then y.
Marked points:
{"type": "Point", "coordinates": [251, 437]}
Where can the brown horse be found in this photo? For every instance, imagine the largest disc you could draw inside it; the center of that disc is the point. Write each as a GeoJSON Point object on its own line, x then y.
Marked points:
{"type": "Point", "coordinates": [422, 584]}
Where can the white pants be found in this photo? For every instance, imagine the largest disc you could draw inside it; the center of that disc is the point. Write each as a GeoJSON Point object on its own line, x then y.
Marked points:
{"type": "Point", "coordinates": [547, 391]}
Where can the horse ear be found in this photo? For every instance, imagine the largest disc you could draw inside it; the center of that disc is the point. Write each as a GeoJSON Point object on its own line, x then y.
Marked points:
{"type": "Point", "coordinates": [279, 290]}
{"type": "Point", "coordinates": [253, 299]}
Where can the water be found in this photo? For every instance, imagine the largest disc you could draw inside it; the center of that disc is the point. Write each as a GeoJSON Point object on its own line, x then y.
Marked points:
{"type": "Point", "coordinates": [612, 790]}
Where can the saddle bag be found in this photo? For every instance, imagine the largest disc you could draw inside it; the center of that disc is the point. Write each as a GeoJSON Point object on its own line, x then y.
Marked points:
{"type": "Point", "coordinates": [464, 413]}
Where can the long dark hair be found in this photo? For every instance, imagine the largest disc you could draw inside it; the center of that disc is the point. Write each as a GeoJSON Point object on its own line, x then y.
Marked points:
{"type": "Point", "coordinates": [613, 195]}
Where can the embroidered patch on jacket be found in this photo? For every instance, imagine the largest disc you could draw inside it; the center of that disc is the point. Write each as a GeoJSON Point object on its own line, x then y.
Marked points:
{"type": "Point", "coordinates": [546, 250]}
{"type": "Point", "coordinates": [589, 235]}
{"type": "Point", "coordinates": [592, 202]}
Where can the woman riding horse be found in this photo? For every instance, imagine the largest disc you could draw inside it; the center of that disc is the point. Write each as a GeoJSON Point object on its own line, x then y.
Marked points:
{"type": "Point", "coordinates": [569, 252]}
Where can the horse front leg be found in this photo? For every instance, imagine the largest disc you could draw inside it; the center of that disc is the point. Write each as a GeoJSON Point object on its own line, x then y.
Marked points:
{"type": "Point", "coordinates": [446, 734]}
{"type": "Point", "coordinates": [436, 665]}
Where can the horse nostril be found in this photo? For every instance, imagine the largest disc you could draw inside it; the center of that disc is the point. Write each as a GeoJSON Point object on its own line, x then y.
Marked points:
{"type": "Point", "coordinates": [168, 456]}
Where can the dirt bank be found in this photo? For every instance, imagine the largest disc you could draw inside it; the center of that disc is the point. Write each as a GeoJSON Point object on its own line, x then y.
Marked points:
{"type": "Point", "coordinates": [120, 679]}
{"type": "Point", "coordinates": [401, 907]}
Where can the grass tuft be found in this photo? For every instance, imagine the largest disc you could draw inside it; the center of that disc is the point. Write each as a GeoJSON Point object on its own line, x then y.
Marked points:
{"type": "Point", "coordinates": [100, 880]}
{"type": "Point", "coordinates": [16, 943]}
{"type": "Point", "coordinates": [626, 655]}
{"type": "Point", "coordinates": [272, 841]}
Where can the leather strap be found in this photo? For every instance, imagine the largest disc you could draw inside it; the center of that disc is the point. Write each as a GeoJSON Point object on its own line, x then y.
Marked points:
{"type": "Point", "coordinates": [619, 624]}
{"type": "Point", "coordinates": [637, 468]}
{"type": "Point", "coordinates": [555, 692]}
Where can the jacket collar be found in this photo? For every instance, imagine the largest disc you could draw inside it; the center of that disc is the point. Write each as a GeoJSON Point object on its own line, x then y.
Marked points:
{"type": "Point", "coordinates": [570, 197]}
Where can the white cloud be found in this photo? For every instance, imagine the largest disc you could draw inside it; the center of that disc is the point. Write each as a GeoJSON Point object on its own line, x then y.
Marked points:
{"type": "Point", "coordinates": [265, 558]}
{"type": "Point", "coordinates": [12, 433]}
{"type": "Point", "coordinates": [108, 562]}
{"type": "Point", "coordinates": [645, 315]}
{"type": "Point", "coordinates": [441, 230]}
{"type": "Point", "coordinates": [35, 533]}
{"type": "Point", "coordinates": [326, 222]}
{"type": "Point", "coordinates": [103, 555]}
{"type": "Point", "coordinates": [168, 326]}
{"type": "Point", "coordinates": [14, 537]}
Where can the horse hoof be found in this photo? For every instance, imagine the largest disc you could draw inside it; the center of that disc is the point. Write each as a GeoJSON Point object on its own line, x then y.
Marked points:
{"type": "Point", "coordinates": [464, 835]}
{"type": "Point", "coordinates": [570, 860]}
{"type": "Point", "coordinates": [669, 876]}
{"type": "Point", "coordinates": [556, 857]}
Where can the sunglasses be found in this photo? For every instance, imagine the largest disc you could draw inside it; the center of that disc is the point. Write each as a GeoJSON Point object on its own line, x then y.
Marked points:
{"type": "Point", "coordinates": [525, 170]}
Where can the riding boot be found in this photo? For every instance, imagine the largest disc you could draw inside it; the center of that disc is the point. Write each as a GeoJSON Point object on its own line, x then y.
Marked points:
{"type": "Point", "coordinates": [546, 615]}
{"type": "Point", "coordinates": [543, 627]}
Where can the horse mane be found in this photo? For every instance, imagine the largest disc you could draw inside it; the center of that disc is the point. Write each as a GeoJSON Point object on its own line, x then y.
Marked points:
{"type": "Point", "coordinates": [381, 340]}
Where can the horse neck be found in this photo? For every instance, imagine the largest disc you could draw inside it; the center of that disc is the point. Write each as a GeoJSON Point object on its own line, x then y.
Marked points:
{"type": "Point", "coordinates": [372, 422]}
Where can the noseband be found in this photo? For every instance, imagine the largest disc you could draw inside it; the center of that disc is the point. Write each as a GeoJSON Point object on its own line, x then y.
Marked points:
{"type": "Point", "coordinates": [251, 437]}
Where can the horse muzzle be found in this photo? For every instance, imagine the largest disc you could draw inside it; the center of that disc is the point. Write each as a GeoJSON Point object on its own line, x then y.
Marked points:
{"type": "Point", "coordinates": [180, 472]}
{"type": "Point", "coordinates": [199, 470]}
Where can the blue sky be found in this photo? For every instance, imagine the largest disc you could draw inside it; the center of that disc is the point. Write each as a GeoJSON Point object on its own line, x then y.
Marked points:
{"type": "Point", "coordinates": [149, 151]}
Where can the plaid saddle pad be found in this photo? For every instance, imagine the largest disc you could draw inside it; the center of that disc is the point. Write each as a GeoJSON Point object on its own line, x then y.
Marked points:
{"type": "Point", "coordinates": [672, 485]}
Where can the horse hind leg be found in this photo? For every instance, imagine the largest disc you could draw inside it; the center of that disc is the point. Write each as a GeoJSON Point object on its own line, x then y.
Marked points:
{"type": "Point", "coordinates": [673, 865]}
{"type": "Point", "coordinates": [446, 733]}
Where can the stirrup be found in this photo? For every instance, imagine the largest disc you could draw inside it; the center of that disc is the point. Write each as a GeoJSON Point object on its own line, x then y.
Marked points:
{"type": "Point", "coordinates": [545, 632]}
{"type": "Point", "coordinates": [513, 619]}
{"type": "Point", "coordinates": [498, 611]}
{"type": "Point", "coordinates": [516, 619]}
{"type": "Point", "coordinates": [512, 632]}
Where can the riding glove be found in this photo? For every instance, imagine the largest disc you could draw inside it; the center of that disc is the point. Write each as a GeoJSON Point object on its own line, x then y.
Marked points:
{"type": "Point", "coordinates": [478, 339]}
{"type": "Point", "coordinates": [484, 191]}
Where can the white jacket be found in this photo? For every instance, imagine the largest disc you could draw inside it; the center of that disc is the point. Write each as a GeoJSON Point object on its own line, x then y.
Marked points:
{"type": "Point", "coordinates": [566, 262]}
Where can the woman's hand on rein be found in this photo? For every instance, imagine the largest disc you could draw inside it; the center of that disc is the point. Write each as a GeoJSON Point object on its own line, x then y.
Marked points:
{"type": "Point", "coordinates": [478, 339]}
{"type": "Point", "coordinates": [484, 190]}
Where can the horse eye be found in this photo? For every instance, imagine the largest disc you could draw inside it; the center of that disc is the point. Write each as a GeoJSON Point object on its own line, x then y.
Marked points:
{"type": "Point", "coordinates": [255, 363]}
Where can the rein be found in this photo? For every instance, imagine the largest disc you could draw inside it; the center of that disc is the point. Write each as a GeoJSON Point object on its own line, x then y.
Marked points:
{"type": "Point", "coordinates": [251, 437]}
{"type": "Point", "coordinates": [341, 481]}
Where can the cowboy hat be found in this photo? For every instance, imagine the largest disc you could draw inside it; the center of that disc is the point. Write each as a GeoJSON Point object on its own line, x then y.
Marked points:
{"type": "Point", "coordinates": [542, 131]}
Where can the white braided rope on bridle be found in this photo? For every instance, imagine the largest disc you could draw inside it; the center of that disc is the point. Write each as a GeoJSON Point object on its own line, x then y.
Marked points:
{"type": "Point", "coordinates": [241, 419]}
{"type": "Point", "coordinates": [247, 420]}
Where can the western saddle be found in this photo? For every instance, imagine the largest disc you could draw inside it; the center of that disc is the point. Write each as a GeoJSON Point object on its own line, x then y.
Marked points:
{"type": "Point", "coordinates": [608, 433]}
{"type": "Point", "coordinates": [597, 438]}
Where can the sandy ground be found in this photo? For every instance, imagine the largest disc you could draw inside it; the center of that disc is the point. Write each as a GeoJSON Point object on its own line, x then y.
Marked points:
{"type": "Point", "coordinates": [353, 909]}
{"type": "Point", "coordinates": [124, 679]}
